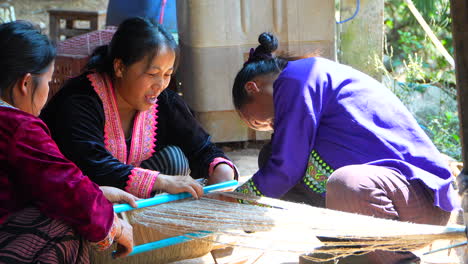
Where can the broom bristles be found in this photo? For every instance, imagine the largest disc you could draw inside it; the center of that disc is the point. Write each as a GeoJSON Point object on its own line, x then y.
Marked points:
{"type": "Point", "coordinates": [284, 226]}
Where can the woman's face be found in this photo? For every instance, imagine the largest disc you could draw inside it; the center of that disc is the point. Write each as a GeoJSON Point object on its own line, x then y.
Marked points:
{"type": "Point", "coordinates": [258, 113]}
{"type": "Point", "coordinates": [139, 84]}
{"type": "Point", "coordinates": [39, 91]}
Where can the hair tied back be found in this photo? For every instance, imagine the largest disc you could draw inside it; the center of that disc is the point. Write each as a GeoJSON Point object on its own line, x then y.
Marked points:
{"type": "Point", "coordinates": [268, 44]}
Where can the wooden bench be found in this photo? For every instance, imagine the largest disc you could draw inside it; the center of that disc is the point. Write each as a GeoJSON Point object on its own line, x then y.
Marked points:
{"type": "Point", "coordinates": [73, 21]}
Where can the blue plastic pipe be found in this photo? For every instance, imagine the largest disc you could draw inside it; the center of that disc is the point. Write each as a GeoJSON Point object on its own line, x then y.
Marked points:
{"type": "Point", "coordinates": [164, 199]}
{"type": "Point", "coordinates": [167, 242]}
{"type": "Point", "coordinates": [119, 208]}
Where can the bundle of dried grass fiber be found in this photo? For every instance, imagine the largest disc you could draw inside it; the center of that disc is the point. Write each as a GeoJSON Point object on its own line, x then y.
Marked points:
{"type": "Point", "coordinates": [143, 234]}
{"type": "Point", "coordinates": [275, 225]}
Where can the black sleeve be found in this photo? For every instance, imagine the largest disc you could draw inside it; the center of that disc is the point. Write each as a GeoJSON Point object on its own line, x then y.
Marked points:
{"type": "Point", "coordinates": [79, 133]}
{"type": "Point", "coordinates": [187, 133]}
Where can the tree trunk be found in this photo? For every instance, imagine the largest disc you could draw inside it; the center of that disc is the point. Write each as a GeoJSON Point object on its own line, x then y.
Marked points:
{"type": "Point", "coordinates": [361, 39]}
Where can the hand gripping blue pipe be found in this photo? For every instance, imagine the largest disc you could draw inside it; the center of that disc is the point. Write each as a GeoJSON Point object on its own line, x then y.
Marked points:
{"type": "Point", "coordinates": [119, 208]}
{"type": "Point", "coordinates": [164, 199]}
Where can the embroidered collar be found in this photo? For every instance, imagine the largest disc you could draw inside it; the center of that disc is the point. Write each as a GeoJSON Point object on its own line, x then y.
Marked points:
{"type": "Point", "coordinates": [144, 127]}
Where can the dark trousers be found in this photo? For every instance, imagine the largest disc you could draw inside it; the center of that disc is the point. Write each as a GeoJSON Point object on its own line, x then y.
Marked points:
{"type": "Point", "coordinates": [375, 191]}
{"type": "Point", "coordinates": [383, 193]}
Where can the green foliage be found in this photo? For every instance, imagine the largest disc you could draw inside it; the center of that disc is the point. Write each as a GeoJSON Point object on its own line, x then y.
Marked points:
{"type": "Point", "coordinates": [406, 36]}
{"type": "Point", "coordinates": [414, 72]}
{"type": "Point", "coordinates": [444, 132]}
{"type": "Point", "coordinates": [443, 129]}
{"type": "Point", "coordinates": [413, 63]}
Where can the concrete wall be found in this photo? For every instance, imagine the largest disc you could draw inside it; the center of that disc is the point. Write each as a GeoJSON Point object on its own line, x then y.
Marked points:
{"type": "Point", "coordinates": [215, 37]}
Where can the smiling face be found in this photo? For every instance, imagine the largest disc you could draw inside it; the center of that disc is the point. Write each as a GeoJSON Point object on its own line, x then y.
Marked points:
{"type": "Point", "coordinates": [137, 86]}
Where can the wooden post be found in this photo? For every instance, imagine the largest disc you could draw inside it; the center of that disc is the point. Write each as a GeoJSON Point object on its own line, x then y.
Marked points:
{"type": "Point", "coordinates": [361, 39]}
{"type": "Point", "coordinates": [459, 9]}
{"type": "Point", "coordinates": [54, 28]}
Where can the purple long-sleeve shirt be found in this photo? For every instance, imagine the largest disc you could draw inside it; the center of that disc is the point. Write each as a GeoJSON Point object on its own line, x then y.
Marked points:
{"type": "Point", "coordinates": [345, 117]}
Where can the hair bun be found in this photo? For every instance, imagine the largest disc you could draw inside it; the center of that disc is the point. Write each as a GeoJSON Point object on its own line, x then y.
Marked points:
{"type": "Point", "coordinates": [268, 42]}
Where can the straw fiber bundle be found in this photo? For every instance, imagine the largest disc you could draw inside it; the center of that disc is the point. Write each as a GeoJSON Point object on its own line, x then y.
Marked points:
{"type": "Point", "coordinates": [143, 234]}
{"type": "Point", "coordinates": [284, 226]}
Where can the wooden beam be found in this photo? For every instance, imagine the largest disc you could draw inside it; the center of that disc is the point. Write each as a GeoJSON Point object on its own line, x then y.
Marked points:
{"type": "Point", "coordinates": [459, 12]}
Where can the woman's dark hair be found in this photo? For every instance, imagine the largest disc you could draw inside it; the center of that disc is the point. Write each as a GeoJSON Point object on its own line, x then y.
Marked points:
{"type": "Point", "coordinates": [261, 61]}
{"type": "Point", "coordinates": [134, 39]}
{"type": "Point", "coordinates": [23, 50]}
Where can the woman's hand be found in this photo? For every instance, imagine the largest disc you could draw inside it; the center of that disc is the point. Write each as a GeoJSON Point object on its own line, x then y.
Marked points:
{"type": "Point", "coordinates": [124, 240]}
{"type": "Point", "coordinates": [115, 195]}
{"type": "Point", "coordinates": [178, 184]}
{"type": "Point", "coordinates": [221, 173]}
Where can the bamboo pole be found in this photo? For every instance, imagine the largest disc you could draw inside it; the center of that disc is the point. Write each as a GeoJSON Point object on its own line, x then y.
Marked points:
{"type": "Point", "coordinates": [430, 33]}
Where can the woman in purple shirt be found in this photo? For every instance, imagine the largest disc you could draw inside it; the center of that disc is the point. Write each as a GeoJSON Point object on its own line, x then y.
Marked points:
{"type": "Point", "coordinates": [341, 140]}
